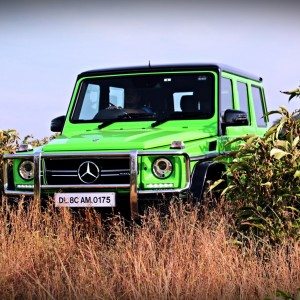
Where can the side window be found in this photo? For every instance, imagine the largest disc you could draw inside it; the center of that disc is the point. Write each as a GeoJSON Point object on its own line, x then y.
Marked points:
{"type": "Point", "coordinates": [243, 97]}
{"type": "Point", "coordinates": [90, 105]}
{"type": "Point", "coordinates": [258, 106]}
{"type": "Point", "coordinates": [226, 95]}
{"type": "Point", "coordinates": [116, 96]}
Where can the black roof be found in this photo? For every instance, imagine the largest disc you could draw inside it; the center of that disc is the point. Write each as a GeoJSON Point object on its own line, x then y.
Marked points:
{"type": "Point", "coordinates": [172, 67]}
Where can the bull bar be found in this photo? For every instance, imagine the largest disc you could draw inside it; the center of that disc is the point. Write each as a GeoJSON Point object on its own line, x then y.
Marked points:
{"type": "Point", "coordinates": [38, 155]}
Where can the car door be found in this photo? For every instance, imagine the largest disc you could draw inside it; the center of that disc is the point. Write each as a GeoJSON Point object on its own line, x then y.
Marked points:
{"type": "Point", "coordinates": [235, 95]}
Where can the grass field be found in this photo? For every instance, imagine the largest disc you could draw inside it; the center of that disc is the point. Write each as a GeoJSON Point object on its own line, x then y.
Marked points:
{"type": "Point", "coordinates": [50, 255]}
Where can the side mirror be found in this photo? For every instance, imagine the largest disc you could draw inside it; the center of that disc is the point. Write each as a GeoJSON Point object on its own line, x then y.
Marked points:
{"type": "Point", "coordinates": [57, 124]}
{"type": "Point", "coordinates": [233, 117]}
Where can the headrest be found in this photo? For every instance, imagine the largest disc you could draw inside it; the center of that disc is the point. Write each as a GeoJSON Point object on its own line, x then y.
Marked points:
{"type": "Point", "coordinates": [189, 103]}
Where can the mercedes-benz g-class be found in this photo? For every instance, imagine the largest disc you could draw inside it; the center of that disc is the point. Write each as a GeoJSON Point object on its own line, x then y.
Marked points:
{"type": "Point", "coordinates": [133, 134]}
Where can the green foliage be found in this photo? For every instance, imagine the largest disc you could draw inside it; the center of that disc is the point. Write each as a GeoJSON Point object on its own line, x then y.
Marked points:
{"type": "Point", "coordinates": [9, 142]}
{"type": "Point", "coordinates": [293, 93]}
{"type": "Point", "coordinates": [265, 181]}
{"type": "Point", "coordinates": [281, 295]}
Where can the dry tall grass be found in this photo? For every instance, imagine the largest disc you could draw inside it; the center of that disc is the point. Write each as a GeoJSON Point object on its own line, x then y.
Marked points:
{"type": "Point", "coordinates": [49, 255]}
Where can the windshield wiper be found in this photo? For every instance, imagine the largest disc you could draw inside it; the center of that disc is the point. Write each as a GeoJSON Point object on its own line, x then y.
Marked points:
{"type": "Point", "coordinates": [178, 117]}
{"type": "Point", "coordinates": [111, 121]}
{"type": "Point", "coordinates": [161, 121]}
{"type": "Point", "coordinates": [127, 116]}
{"type": "Point", "coordinates": [171, 116]}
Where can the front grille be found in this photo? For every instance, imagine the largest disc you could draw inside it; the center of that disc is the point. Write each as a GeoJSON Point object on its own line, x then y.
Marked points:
{"type": "Point", "coordinates": [75, 171]}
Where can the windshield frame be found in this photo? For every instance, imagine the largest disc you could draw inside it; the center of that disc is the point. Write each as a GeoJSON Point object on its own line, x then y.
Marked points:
{"type": "Point", "coordinates": [175, 115]}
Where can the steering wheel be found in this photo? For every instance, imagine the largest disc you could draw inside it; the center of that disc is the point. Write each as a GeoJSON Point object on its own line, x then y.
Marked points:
{"type": "Point", "coordinates": [111, 113]}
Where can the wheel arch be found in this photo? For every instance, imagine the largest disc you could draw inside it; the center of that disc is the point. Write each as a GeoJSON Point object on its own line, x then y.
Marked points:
{"type": "Point", "coordinates": [204, 171]}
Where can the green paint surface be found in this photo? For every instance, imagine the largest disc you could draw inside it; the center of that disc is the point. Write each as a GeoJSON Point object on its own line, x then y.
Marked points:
{"type": "Point", "coordinates": [139, 135]}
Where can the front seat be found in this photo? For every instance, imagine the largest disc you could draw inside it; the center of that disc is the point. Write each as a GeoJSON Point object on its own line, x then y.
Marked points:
{"type": "Point", "coordinates": [189, 103]}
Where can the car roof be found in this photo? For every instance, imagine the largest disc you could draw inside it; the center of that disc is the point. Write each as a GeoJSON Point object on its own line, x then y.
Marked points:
{"type": "Point", "coordinates": [171, 67]}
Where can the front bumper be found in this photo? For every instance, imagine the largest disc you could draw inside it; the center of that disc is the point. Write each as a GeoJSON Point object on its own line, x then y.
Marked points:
{"type": "Point", "coordinates": [134, 192]}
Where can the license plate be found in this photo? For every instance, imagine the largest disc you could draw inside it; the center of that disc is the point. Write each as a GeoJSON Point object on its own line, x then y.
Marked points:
{"type": "Point", "coordinates": [85, 199]}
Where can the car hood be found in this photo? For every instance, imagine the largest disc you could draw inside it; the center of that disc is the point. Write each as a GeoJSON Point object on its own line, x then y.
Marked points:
{"type": "Point", "coordinates": [123, 140]}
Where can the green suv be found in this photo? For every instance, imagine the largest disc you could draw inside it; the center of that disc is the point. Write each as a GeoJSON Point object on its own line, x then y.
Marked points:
{"type": "Point", "coordinates": [139, 134]}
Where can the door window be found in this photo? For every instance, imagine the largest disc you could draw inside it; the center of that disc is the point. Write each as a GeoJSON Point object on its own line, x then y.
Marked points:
{"type": "Point", "coordinates": [243, 97]}
{"type": "Point", "coordinates": [258, 106]}
{"type": "Point", "coordinates": [226, 95]}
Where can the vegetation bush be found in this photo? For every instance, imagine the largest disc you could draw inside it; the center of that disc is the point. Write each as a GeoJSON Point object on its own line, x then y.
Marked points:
{"type": "Point", "coordinates": [9, 142]}
{"type": "Point", "coordinates": [52, 254]}
{"type": "Point", "coordinates": [264, 181]}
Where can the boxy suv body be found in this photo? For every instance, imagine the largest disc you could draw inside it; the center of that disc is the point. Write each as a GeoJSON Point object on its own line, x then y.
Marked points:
{"type": "Point", "coordinates": [131, 135]}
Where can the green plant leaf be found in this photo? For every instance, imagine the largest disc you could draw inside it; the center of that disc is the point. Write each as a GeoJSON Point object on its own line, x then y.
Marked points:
{"type": "Point", "coordinates": [297, 174]}
{"type": "Point", "coordinates": [258, 226]}
{"type": "Point", "coordinates": [281, 144]}
{"type": "Point", "coordinates": [283, 295]}
{"type": "Point", "coordinates": [215, 184]}
{"type": "Point", "coordinates": [272, 112]}
{"type": "Point", "coordinates": [292, 208]}
{"type": "Point", "coordinates": [271, 131]}
{"type": "Point", "coordinates": [278, 153]}
{"type": "Point", "coordinates": [230, 187]}
{"type": "Point", "coordinates": [267, 184]}
{"type": "Point", "coordinates": [297, 296]}
{"type": "Point", "coordinates": [295, 142]}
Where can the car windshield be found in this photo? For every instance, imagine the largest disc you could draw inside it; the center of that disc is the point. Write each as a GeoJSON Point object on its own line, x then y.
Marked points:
{"type": "Point", "coordinates": [145, 97]}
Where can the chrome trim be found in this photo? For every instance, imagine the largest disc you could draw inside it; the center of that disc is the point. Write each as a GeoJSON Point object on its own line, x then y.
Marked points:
{"type": "Point", "coordinates": [132, 155]}
{"type": "Point", "coordinates": [26, 193]}
{"type": "Point", "coordinates": [133, 184]}
{"type": "Point", "coordinates": [107, 172]}
{"type": "Point", "coordinates": [80, 154]}
{"type": "Point", "coordinates": [62, 171]}
{"type": "Point", "coordinates": [84, 186]}
{"type": "Point", "coordinates": [18, 155]}
{"type": "Point", "coordinates": [37, 175]}
{"type": "Point", "coordinates": [107, 155]}
{"type": "Point", "coordinates": [102, 175]}
{"type": "Point", "coordinates": [64, 175]}
{"type": "Point", "coordinates": [156, 152]}
{"type": "Point", "coordinates": [115, 174]}
{"type": "Point", "coordinates": [204, 157]}
{"type": "Point", "coordinates": [115, 170]}
{"type": "Point", "coordinates": [5, 175]}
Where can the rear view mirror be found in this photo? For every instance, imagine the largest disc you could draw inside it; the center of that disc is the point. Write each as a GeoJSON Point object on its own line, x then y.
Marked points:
{"type": "Point", "coordinates": [234, 117]}
{"type": "Point", "coordinates": [57, 124]}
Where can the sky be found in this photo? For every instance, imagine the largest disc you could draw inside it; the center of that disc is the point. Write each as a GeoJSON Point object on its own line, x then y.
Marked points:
{"type": "Point", "coordinates": [45, 45]}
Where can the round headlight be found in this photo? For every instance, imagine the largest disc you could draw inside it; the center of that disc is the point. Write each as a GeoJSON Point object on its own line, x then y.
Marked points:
{"type": "Point", "coordinates": [26, 169]}
{"type": "Point", "coordinates": [162, 168]}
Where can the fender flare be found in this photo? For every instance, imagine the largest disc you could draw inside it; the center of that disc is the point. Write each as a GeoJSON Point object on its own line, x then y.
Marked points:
{"type": "Point", "coordinates": [203, 171]}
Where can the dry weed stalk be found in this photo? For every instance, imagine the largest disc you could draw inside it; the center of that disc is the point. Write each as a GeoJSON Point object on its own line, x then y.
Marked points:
{"type": "Point", "coordinates": [50, 254]}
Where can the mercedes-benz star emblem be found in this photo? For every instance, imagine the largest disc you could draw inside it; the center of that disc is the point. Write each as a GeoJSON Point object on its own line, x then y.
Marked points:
{"type": "Point", "coordinates": [88, 172]}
